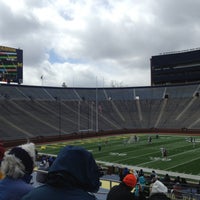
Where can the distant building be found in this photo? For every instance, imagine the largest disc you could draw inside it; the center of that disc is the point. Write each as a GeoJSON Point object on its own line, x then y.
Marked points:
{"type": "Point", "coordinates": [176, 68]}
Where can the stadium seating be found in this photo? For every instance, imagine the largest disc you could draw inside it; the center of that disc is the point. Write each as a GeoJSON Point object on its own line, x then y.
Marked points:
{"type": "Point", "coordinates": [33, 111]}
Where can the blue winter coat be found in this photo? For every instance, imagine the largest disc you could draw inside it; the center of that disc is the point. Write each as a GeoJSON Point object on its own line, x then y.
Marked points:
{"type": "Point", "coordinates": [72, 176]}
{"type": "Point", "coordinates": [13, 189]}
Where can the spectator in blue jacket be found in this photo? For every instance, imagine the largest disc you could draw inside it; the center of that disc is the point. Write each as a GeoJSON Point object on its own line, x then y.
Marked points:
{"type": "Point", "coordinates": [74, 175]}
{"type": "Point", "coordinates": [17, 166]}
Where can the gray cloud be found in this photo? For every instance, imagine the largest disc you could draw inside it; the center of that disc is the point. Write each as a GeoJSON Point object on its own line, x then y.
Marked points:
{"type": "Point", "coordinates": [77, 41]}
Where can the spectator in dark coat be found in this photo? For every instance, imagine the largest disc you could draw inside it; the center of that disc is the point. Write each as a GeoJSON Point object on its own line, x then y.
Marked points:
{"type": "Point", "coordinates": [74, 175]}
{"type": "Point", "coordinates": [167, 181]}
{"type": "Point", "coordinates": [123, 190]}
{"type": "Point", "coordinates": [166, 178]}
{"type": "Point", "coordinates": [177, 179]}
{"type": "Point", "coordinates": [198, 188]}
{"type": "Point", "coordinates": [124, 172]}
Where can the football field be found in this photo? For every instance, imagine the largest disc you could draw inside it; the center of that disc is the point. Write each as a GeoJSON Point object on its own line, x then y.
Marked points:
{"type": "Point", "coordinates": [183, 152]}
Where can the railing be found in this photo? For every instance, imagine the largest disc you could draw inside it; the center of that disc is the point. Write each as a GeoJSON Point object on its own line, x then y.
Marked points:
{"type": "Point", "coordinates": [189, 192]}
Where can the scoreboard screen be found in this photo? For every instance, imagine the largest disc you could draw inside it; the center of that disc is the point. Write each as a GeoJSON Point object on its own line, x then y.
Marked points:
{"type": "Point", "coordinates": [176, 68]}
{"type": "Point", "coordinates": [11, 65]}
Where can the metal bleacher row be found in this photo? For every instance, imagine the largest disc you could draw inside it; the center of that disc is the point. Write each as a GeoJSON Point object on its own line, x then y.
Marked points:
{"type": "Point", "coordinates": [31, 111]}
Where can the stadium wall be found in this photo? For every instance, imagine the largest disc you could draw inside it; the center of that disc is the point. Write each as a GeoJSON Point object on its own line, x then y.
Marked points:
{"type": "Point", "coordinates": [77, 136]}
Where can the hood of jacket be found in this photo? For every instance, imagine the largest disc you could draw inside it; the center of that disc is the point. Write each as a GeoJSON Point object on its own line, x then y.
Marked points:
{"type": "Point", "coordinates": [80, 165]}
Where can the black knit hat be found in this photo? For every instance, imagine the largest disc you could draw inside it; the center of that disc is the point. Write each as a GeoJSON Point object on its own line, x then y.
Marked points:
{"type": "Point", "coordinates": [24, 156]}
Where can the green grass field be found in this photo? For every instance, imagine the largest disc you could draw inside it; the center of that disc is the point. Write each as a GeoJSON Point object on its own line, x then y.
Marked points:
{"type": "Point", "coordinates": [183, 155]}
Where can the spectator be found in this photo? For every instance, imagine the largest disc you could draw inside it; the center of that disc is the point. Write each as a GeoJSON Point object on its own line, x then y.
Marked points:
{"type": "Point", "coordinates": [2, 151]}
{"type": "Point", "coordinates": [198, 188]}
{"type": "Point", "coordinates": [51, 160]}
{"type": "Point", "coordinates": [152, 181]}
{"type": "Point", "coordinates": [167, 180]}
{"type": "Point", "coordinates": [73, 175]}
{"type": "Point", "coordinates": [184, 183]}
{"type": "Point", "coordinates": [158, 191]}
{"type": "Point", "coordinates": [123, 190]}
{"type": "Point", "coordinates": [177, 190]}
{"type": "Point", "coordinates": [177, 179]}
{"type": "Point", "coordinates": [17, 167]}
{"type": "Point", "coordinates": [141, 187]}
{"type": "Point", "coordinates": [153, 176]}
{"type": "Point", "coordinates": [125, 171]}
{"type": "Point", "coordinates": [141, 173]}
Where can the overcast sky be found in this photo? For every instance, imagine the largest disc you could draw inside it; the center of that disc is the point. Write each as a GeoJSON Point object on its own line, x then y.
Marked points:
{"type": "Point", "coordinates": [89, 43]}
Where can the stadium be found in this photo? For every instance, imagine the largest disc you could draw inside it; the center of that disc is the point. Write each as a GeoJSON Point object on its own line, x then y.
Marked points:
{"type": "Point", "coordinates": [167, 111]}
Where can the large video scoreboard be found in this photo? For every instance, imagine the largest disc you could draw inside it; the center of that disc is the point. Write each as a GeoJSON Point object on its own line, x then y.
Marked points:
{"type": "Point", "coordinates": [176, 68]}
{"type": "Point", "coordinates": [11, 65]}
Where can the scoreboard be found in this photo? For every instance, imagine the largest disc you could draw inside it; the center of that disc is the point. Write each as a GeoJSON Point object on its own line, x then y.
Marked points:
{"type": "Point", "coordinates": [181, 67]}
{"type": "Point", "coordinates": [11, 65]}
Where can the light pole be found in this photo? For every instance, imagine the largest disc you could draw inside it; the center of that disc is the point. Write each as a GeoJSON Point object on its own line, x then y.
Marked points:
{"type": "Point", "coordinates": [59, 117]}
{"type": "Point", "coordinates": [79, 104]}
{"type": "Point", "coordinates": [58, 100]}
{"type": "Point", "coordinates": [97, 113]}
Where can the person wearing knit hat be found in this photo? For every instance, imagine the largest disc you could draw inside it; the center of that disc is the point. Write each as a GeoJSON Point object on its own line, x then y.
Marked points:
{"type": "Point", "coordinates": [130, 180]}
{"type": "Point", "coordinates": [17, 166]}
{"type": "Point", "coordinates": [158, 191]}
{"type": "Point", "coordinates": [124, 189]}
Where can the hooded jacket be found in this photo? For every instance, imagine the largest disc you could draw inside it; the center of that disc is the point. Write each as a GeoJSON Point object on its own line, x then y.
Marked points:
{"type": "Point", "coordinates": [159, 191]}
{"type": "Point", "coordinates": [72, 176]}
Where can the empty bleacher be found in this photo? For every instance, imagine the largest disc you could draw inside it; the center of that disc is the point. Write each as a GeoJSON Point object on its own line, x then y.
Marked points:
{"type": "Point", "coordinates": [33, 111]}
